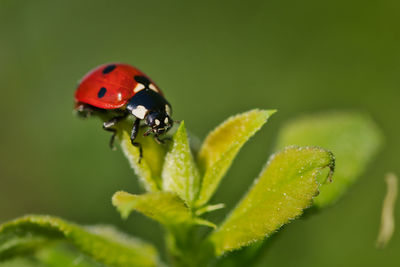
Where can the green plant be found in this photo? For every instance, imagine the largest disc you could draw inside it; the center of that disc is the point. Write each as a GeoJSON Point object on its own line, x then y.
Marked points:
{"type": "Point", "coordinates": [179, 186]}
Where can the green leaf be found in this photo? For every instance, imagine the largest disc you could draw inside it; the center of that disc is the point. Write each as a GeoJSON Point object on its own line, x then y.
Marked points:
{"type": "Point", "coordinates": [222, 145]}
{"type": "Point", "coordinates": [19, 262]}
{"type": "Point", "coordinates": [56, 256]}
{"type": "Point", "coordinates": [180, 173]}
{"type": "Point", "coordinates": [209, 208]}
{"type": "Point", "coordinates": [31, 233]}
{"type": "Point", "coordinates": [284, 189]}
{"type": "Point", "coordinates": [164, 207]}
{"type": "Point", "coordinates": [354, 139]}
{"type": "Point", "coordinates": [150, 166]}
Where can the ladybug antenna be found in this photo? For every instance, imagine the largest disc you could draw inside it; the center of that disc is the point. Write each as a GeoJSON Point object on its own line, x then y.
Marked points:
{"type": "Point", "coordinates": [149, 131]}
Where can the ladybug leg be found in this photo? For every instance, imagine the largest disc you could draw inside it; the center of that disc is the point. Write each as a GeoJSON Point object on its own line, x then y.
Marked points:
{"type": "Point", "coordinates": [134, 133]}
{"type": "Point", "coordinates": [158, 140]}
{"type": "Point", "coordinates": [146, 133]}
{"type": "Point", "coordinates": [108, 126]}
{"type": "Point", "coordinates": [114, 133]}
{"type": "Point", "coordinates": [135, 130]}
{"type": "Point", "coordinates": [84, 110]}
{"type": "Point", "coordinates": [162, 141]}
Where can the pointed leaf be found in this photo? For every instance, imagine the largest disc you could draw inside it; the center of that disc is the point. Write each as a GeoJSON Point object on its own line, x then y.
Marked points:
{"type": "Point", "coordinates": [354, 139]}
{"type": "Point", "coordinates": [30, 233]}
{"type": "Point", "coordinates": [284, 189]}
{"type": "Point", "coordinates": [222, 145]}
{"type": "Point", "coordinates": [180, 174]}
{"type": "Point", "coordinates": [149, 168]}
{"type": "Point", "coordinates": [164, 207]}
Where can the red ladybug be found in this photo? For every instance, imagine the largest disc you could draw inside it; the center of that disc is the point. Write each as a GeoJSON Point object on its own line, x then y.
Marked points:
{"type": "Point", "coordinates": [124, 90]}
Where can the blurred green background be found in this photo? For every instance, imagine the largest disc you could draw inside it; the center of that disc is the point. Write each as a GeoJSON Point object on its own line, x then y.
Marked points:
{"type": "Point", "coordinates": [212, 59]}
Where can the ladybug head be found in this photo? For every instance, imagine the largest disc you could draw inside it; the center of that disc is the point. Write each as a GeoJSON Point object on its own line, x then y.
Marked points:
{"type": "Point", "coordinates": [159, 122]}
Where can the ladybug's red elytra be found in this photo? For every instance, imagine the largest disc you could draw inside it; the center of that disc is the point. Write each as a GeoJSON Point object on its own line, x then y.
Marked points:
{"type": "Point", "coordinates": [126, 91]}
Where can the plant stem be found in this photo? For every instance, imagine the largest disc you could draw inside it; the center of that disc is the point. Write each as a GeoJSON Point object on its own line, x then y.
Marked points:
{"type": "Point", "coordinates": [183, 247]}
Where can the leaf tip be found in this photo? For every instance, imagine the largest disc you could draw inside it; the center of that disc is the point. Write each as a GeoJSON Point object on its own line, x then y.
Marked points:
{"type": "Point", "coordinates": [263, 114]}
{"type": "Point", "coordinates": [119, 200]}
{"type": "Point", "coordinates": [180, 133]}
{"type": "Point", "coordinates": [205, 223]}
{"type": "Point", "coordinates": [116, 197]}
{"type": "Point", "coordinates": [269, 112]}
{"type": "Point", "coordinates": [181, 127]}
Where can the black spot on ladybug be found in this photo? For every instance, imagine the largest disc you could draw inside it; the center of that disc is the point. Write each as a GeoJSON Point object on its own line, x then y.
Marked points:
{"type": "Point", "coordinates": [101, 92]}
{"type": "Point", "coordinates": [143, 80]}
{"type": "Point", "coordinates": [109, 69]}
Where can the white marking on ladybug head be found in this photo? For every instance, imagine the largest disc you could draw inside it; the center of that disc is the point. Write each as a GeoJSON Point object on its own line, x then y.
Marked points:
{"type": "Point", "coordinates": [166, 120]}
{"type": "Point", "coordinates": [168, 110]}
{"type": "Point", "coordinates": [140, 112]}
{"type": "Point", "coordinates": [157, 122]}
{"type": "Point", "coordinates": [153, 87]}
{"type": "Point", "coordinates": [139, 87]}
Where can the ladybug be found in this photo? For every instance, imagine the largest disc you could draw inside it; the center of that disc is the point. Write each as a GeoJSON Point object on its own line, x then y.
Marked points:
{"type": "Point", "coordinates": [123, 90]}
